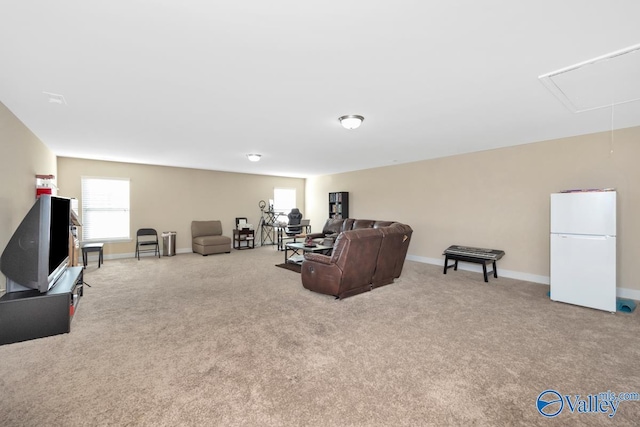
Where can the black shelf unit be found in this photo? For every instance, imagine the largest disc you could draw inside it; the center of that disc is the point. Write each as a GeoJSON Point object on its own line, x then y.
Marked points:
{"type": "Point", "coordinates": [339, 205]}
{"type": "Point", "coordinates": [27, 315]}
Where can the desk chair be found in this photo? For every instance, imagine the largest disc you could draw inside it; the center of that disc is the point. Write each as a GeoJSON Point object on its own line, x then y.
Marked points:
{"type": "Point", "coordinates": [145, 239]}
{"type": "Point", "coordinates": [295, 217]}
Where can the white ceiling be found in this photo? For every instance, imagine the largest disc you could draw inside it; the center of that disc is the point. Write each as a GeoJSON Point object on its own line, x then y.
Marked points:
{"type": "Point", "coordinates": [200, 84]}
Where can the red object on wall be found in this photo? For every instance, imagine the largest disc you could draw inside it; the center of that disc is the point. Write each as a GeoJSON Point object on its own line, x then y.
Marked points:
{"type": "Point", "coordinates": [42, 190]}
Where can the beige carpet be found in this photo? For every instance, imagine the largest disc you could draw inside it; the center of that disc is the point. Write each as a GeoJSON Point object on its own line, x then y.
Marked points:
{"type": "Point", "coordinates": [290, 266]}
{"type": "Point", "coordinates": [231, 339]}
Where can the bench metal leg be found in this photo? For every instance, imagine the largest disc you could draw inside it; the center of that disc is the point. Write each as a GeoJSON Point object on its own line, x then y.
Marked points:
{"type": "Point", "coordinates": [485, 274]}
{"type": "Point", "coordinates": [447, 266]}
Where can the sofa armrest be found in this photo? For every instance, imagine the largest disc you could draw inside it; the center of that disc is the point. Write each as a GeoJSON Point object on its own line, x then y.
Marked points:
{"type": "Point", "coordinates": [319, 274]}
{"type": "Point", "coordinates": [319, 258]}
{"type": "Point", "coordinates": [315, 235]}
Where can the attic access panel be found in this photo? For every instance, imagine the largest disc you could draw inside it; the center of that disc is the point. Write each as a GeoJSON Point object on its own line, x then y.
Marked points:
{"type": "Point", "coordinates": [601, 82]}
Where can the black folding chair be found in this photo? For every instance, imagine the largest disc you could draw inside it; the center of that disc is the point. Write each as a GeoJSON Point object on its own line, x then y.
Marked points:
{"type": "Point", "coordinates": [147, 241]}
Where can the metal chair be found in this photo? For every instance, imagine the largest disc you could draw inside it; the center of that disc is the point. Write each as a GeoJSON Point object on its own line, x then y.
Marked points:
{"type": "Point", "coordinates": [92, 247]}
{"type": "Point", "coordinates": [145, 238]}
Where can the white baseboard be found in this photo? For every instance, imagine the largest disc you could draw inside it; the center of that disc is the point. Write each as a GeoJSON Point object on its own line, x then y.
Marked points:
{"type": "Point", "coordinates": [146, 254]}
{"type": "Point", "coordinates": [627, 293]}
{"type": "Point", "coordinates": [633, 294]}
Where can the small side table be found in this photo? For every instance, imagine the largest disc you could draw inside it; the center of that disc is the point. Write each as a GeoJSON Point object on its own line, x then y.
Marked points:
{"type": "Point", "coordinates": [299, 249]}
{"type": "Point", "coordinates": [243, 235]}
{"type": "Point", "coordinates": [282, 236]}
{"type": "Point", "coordinates": [92, 247]}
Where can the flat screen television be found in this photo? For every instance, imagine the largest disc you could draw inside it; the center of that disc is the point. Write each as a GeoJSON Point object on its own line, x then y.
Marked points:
{"type": "Point", "coordinates": [38, 252]}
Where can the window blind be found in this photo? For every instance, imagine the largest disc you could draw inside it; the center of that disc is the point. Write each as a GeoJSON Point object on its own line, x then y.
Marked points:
{"type": "Point", "coordinates": [284, 199]}
{"type": "Point", "coordinates": [105, 209]}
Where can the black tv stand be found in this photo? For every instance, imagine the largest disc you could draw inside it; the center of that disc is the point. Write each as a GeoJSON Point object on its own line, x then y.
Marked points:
{"type": "Point", "coordinates": [27, 315]}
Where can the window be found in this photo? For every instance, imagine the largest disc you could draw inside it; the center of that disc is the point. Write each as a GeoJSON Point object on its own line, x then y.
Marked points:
{"type": "Point", "coordinates": [284, 199]}
{"type": "Point", "coordinates": [105, 209]}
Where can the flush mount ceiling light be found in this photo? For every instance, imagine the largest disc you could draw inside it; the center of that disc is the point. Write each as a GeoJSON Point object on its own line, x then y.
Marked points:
{"type": "Point", "coordinates": [254, 157]}
{"type": "Point", "coordinates": [55, 98]}
{"type": "Point", "coordinates": [351, 121]}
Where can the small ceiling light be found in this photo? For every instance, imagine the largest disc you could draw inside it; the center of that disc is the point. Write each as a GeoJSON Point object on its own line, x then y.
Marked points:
{"type": "Point", "coordinates": [351, 121]}
{"type": "Point", "coordinates": [254, 157]}
{"type": "Point", "coordinates": [55, 98]}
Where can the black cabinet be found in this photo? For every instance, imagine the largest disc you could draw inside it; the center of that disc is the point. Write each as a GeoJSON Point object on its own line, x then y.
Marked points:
{"type": "Point", "coordinates": [339, 205]}
{"type": "Point", "coordinates": [26, 315]}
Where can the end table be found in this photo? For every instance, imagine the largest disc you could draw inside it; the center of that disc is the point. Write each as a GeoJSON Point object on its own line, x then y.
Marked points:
{"type": "Point", "coordinates": [243, 235]}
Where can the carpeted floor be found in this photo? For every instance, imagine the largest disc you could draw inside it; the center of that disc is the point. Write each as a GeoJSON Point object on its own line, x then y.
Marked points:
{"type": "Point", "coordinates": [290, 266]}
{"type": "Point", "coordinates": [231, 340]}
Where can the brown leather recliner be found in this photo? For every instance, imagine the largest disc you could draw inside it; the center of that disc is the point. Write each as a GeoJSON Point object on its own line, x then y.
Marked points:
{"type": "Point", "coordinates": [393, 251]}
{"type": "Point", "coordinates": [402, 253]}
{"type": "Point", "coordinates": [335, 226]}
{"type": "Point", "coordinates": [350, 268]}
{"type": "Point", "coordinates": [355, 224]}
{"type": "Point", "coordinates": [330, 231]}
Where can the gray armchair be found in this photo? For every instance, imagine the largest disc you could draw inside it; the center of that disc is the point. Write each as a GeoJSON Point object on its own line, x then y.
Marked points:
{"type": "Point", "coordinates": [207, 238]}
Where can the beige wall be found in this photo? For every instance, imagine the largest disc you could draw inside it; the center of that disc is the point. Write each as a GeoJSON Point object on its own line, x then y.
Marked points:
{"type": "Point", "coordinates": [22, 157]}
{"type": "Point", "coordinates": [168, 198]}
{"type": "Point", "coordinates": [497, 199]}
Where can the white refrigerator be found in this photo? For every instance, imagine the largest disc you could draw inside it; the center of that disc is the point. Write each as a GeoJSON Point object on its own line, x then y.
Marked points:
{"type": "Point", "coordinates": [583, 249]}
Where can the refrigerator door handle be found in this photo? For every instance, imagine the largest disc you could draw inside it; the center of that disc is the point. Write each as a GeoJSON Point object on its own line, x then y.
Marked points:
{"type": "Point", "coordinates": [582, 236]}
